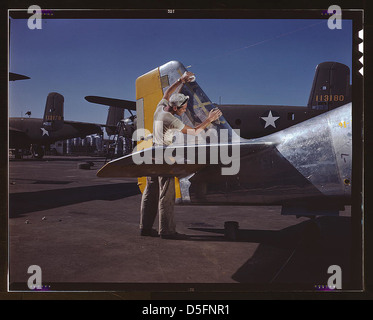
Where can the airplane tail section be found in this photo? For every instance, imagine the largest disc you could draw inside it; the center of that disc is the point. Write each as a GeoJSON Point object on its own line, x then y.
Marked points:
{"type": "Point", "coordinates": [116, 111]}
{"type": "Point", "coordinates": [115, 114]}
{"type": "Point", "coordinates": [53, 119]}
{"type": "Point", "coordinates": [331, 86]}
{"type": "Point", "coordinates": [150, 89]}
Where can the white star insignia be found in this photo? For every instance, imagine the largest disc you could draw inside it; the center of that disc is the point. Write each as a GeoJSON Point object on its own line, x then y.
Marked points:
{"type": "Point", "coordinates": [270, 120]}
{"type": "Point", "coordinates": [44, 131]}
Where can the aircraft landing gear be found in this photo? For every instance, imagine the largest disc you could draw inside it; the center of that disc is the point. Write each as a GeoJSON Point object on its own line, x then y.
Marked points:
{"type": "Point", "coordinates": [37, 151]}
{"type": "Point", "coordinates": [231, 230]}
{"type": "Point", "coordinates": [18, 153]}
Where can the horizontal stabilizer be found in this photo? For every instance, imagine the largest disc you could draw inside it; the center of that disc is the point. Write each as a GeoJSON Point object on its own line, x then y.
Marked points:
{"type": "Point", "coordinates": [153, 164]}
{"type": "Point", "coordinates": [179, 161]}
{"type": "Point", "coordinates": [125, 104]}
{"type": "Point", "coordinates": [120, 170]}
{"type": "Point", "coordinates": [16, 76]}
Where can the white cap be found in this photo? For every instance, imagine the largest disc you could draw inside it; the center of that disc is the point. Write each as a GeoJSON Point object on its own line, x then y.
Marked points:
{"type": "Point", "coordinates": [177, 100]}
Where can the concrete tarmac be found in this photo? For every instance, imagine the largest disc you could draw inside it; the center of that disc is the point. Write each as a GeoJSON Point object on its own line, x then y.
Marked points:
{"type": "Point", "coordinates": [83, 232]}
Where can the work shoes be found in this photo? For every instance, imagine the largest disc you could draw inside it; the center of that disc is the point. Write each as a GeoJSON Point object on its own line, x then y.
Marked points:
{"type": "Point", "coordinates": [174, 236]}
{"type": "Point", "coordinates": [149, 233]}
{"type": "Point", "coordinates": [154, 233]}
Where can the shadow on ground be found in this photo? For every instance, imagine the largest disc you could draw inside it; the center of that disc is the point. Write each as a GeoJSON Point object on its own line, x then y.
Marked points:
{"type": "Point", "coordinates": [25, 202]}
{"type": "Point", "coordinates": [297, 255]}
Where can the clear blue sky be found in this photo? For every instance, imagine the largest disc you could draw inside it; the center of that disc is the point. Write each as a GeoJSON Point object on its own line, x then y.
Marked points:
{"type": "Point", "coordinates": [241, 61]}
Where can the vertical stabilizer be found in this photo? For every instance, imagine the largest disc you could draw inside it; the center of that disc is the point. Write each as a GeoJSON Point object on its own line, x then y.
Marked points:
{"type": "Point", "coordinates": [331, 86]}
{"type": "Point", "coordinates": [115, 114]}
{"type": "Point", "coordinates": [53, 119]}
{"type": "Point", "coordinates": [150, 89]}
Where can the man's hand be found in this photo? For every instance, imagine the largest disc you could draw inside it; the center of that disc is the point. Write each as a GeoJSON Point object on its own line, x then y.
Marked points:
{"type": "Point", "coordinates": [214, 114]}
{"type": "Point", "coordinates": [187, 77]}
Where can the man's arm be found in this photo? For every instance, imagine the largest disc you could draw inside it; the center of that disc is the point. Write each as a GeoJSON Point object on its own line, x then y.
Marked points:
{"type": "Point", "coordinates": [180, 82]}
{"type": "Point", "coordinates": [213, 115]}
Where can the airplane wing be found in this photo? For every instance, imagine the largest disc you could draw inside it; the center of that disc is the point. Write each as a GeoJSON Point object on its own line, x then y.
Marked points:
{"type": "Point", "coordinates": [77, 123]}
{"type": "Point", "coordinates": [16, 76]}
{"type": "Point", "coordinates": [85, 127]}
{"type": "Point", "coordinates": [179, 161]}
{"type": "Point", "coordinates": [125, 104]}
{"type": "Point", "coordinates": [17, 133]}
{"type": "Point", "coordinates": [15, 130]}
{"type": "Point", "coordinates": [17, 137]}
{"type": "Point", "coordinates": [116, 111]}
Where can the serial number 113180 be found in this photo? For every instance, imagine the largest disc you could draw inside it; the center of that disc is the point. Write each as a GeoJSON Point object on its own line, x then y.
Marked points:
{"type": "Point", "coordinates": [330, 97]}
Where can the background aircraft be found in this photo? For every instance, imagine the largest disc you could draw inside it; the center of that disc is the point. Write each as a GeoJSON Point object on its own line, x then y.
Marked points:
{"type": "Point", "coordinates": [38, 133]}
{"type": "Point", "coordinates": [16, 76]}
{"type": "Point", "coordinates": [330, 89]}
{"type": "Point", "coordinates": [306, 168]}
{"type": "Point", "coordinates": [116, 124]}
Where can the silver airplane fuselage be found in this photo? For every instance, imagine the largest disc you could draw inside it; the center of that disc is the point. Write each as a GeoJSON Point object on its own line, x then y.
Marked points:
{"type": "Point", "coordinates": [307, 164]}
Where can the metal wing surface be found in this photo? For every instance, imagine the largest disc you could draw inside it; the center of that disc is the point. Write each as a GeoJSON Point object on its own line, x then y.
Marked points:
{"type": "Point", "coordinates": [179, 161]}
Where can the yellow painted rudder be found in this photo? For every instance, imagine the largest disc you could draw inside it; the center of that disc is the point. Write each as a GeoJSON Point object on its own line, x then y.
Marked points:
{"type": "Point", "coordinates": [149, 93]}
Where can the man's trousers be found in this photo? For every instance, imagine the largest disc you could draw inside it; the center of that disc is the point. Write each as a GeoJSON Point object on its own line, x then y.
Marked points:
{"type": "Point", "coordinates": [159, 195]}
